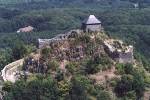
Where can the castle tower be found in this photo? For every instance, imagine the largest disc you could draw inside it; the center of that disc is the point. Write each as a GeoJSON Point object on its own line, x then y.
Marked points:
{"type": "Point", "coordinates": [91, 24]}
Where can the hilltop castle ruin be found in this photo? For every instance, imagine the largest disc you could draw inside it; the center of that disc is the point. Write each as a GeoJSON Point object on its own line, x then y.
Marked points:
{"type": "Point", "coordinates": [91, 24]}
{"type": "Point", "coordinates": [114, 48]}
{"type": "Point", "coordinates": [59, 38]}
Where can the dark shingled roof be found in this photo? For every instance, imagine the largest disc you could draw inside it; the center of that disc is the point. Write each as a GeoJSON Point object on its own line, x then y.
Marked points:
{"type": "Point", "coordinates": [91, 20]}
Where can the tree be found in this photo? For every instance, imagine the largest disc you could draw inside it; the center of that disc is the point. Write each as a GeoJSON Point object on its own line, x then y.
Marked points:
{"type": "Point", "coordinates": [80, 86]}
{"type": "Point", "coordinates": [19, 50]}
{"type": "Point", "coordinates": [5, 57]}
{"type": "Point", "coordinates": [138, 84]}
{"type": "Point", "coordinates": [120, 69]}
{"type": "Point", "coordinates": [64, 88]}
{"type": "Point", "coordinates": [132, 81]}
{"type": "Point", "coordinates": [53, 65]}
{"type": "Point", "coordinates": [7, 86]}
{"type": "Point", "coordinates": [92, 67]}
{"type": "Point", "coordinates": [72, 67]}
{"type": "Point", "coordinates": [46, 52]}
{"type": "Point", "coordinates": [124, 85]}
{"type": "Point", "coordinates": [97, 63]}
{"type": "Point", "coordinates": [128, 69]}
{"type": "Point", "coordinates": [60, 75]}
{"type": "Point", "coordinates": [40, 88]}
{"type": "Point", "coordinates": [103, 95]}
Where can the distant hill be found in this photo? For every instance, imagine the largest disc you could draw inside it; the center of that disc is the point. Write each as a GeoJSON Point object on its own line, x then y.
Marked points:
{"type": "Point", "coordinates": [18, 1]}
{"type": "Point", "coordinates": [56, 2]}
{"type": "Point", "coordinates": [114, 3]}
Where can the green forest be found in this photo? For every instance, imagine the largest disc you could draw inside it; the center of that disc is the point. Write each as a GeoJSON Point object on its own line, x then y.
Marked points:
{"type": "Point", "coordinates": [120, 19]}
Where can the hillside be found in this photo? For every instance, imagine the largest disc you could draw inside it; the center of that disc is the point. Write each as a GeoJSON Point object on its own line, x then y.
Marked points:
{"type": "Point", "coordinates": [79, 66]}
{"type": "Point", "coordinates": [75, 65]}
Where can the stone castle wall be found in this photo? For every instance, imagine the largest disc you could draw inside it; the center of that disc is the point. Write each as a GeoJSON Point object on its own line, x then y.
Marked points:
{"type": "Point", "coordinates": [60, 37]}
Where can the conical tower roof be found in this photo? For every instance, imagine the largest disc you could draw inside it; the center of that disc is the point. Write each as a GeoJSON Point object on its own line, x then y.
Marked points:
{"type": "Point", "coordinates": [92, 20]}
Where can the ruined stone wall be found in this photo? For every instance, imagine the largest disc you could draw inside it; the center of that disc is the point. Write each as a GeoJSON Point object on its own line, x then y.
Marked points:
{"type": "Point", "coordinates": [120, 55]}
{"type": "Point", "coordinates": [59, 38]}
{"type": "Point", "coordinates": [125, 57]}
{"type": "Point", "coordinates": [93, 28]}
